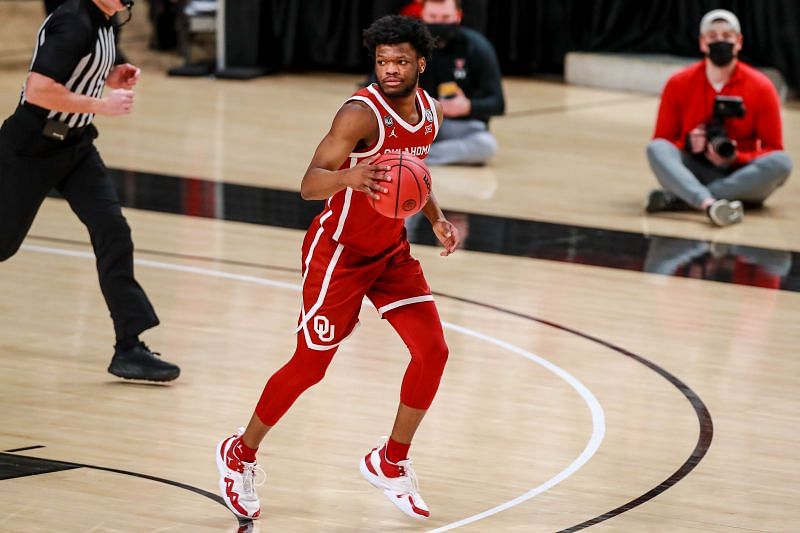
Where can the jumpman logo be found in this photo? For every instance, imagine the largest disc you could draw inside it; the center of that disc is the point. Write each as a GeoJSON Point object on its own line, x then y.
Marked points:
{"type": "Point", "coordinates": [393, 134]}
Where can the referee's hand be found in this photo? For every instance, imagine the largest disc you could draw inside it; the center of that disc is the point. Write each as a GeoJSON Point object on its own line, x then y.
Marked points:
{"type": "Point", "coordinates": [117, 102]}
{"type": "Point", "coordinates": [123, 76]}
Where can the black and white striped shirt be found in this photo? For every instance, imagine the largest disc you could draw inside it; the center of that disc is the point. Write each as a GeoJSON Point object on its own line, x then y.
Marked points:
{"type": "Point", "coordinates": [74, 47]}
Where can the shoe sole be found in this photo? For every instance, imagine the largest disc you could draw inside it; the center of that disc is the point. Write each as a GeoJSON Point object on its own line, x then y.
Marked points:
{"type": "Point", "coordinates": [223, 470]}
{"type": "Point", "coordinates": [164, 379]}
{"type": "Point", "coordinates": [152, 380]}
{"type": "Point", "coordinates": [376, 482]}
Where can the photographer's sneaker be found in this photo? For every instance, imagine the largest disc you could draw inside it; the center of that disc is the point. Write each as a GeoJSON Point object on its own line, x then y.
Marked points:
{"type": "Point", "coordinates": [724, 213]}
{"type": "Point", "coordinates": [400, 486]}
{"type": "Point", "coordinates": [659, 200]}
{"type": "Point", "coordinates": [140, 362]}
{"type": "Point", "coordinates": [237, 479]}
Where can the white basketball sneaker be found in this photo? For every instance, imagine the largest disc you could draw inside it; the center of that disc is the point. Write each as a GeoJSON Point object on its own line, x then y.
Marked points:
{"type": "Point", "coordinates": [402, 490]}
{"type": "Point", "coordinates": [237, 479]}
{"type": "Point", "coordinates": [724, 213]}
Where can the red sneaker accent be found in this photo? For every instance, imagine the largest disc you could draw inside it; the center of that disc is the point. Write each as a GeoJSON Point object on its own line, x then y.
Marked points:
{"type": "Point", "coordinates": [233, 497]}
{"type": "Point", "coordinates": [369, 464]}
{"type": "Point", "coordinates": [233, 462]}
{"type": "Point", "coordinates": [421, 512]}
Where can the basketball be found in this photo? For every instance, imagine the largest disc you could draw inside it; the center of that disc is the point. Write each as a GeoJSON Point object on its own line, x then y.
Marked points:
{"type": "Point", "coordinates": [409, 188]}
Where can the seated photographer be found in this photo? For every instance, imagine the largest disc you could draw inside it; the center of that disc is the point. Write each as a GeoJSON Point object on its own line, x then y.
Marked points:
{"type": "Point", "coordinates": [718, 143]}
{"type": "Point", "coordinates": [465, 76]}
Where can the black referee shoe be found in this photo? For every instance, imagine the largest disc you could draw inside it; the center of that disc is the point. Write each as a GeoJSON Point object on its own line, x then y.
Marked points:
{"type": "Point", "coordinates": [140, 362]}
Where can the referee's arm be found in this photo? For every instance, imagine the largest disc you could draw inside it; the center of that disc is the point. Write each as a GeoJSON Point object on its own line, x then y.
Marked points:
{"type": "Point", "coordinates": [48, 93]}
{"type": "Point", "coordinates": [62, 42]}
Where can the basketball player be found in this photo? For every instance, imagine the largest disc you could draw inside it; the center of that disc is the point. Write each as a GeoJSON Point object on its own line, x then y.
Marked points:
{"type": "Point", "coordinates": [350, 251]}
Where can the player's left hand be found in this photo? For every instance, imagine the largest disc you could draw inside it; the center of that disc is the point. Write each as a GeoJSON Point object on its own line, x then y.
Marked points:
{"type": "Point", "coordinates": [716, 159]}
{"type": "Point", "coordinates": [447, 234]}
{"type": "Point", "coordinates": [123, 76]}
{"type": "Point", "coordinates": [457, 106]}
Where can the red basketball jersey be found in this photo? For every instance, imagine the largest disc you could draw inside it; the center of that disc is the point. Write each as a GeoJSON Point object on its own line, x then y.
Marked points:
{"type": "Point", "coordinates": [348, 218]}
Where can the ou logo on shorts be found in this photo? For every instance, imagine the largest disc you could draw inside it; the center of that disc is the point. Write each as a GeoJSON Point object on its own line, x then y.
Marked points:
{"type": "Point", "coordinates": [323, 328]}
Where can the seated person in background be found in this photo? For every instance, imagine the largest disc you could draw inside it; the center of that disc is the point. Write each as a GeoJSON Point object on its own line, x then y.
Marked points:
{"type": "Point", "coordinates": [746, 265]}
{"type": "Point", "coordinates": [718, 140]}
{"type": "Point", "coordinates": [464, 76]}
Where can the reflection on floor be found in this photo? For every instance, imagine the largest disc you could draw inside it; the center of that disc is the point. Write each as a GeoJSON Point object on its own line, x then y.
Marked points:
{"type": "Point", "coordinates": [746, 265]}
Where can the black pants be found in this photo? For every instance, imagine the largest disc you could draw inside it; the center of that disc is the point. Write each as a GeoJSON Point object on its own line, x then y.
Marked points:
{"type": "Point", "coordinates": [30, 166]}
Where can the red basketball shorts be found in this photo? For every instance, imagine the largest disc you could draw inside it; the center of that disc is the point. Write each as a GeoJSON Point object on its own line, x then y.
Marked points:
{"type": "Point", "coordinates": [336, 279]}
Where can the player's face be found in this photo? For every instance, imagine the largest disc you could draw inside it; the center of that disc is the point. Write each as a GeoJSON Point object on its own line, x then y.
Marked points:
{"type": "Point", "coordinates": [397, 68]}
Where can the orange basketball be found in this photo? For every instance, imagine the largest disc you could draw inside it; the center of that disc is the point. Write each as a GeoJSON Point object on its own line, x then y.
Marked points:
{"type": "Point", "coordinates": [409, 188]}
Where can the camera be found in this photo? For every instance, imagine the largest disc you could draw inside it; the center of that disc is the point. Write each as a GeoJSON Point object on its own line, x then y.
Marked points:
{"type": "Point", "coordinates": [725, 107]}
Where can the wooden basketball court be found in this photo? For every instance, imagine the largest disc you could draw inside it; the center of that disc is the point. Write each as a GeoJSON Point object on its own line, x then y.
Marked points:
{"type": "Point", "coordinates": [575, 395]}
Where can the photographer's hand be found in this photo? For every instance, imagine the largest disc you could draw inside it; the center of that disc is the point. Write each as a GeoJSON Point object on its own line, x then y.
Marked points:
{"type": "Point", "coordinates": [456, 106]}
{"type": "Point", "coordinates": [717, 160]}
{"type": "Point", "coordinates": [697, 140]}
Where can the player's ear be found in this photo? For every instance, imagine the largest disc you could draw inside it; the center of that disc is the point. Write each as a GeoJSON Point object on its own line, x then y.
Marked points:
{"type": "Point", "coordinates": [422, 63]}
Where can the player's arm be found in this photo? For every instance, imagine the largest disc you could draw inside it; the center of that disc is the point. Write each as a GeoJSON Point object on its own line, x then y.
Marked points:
{"type": "Point", "coordinates": [354, 124]}
{"type": "Point", "coordinates": [439, 111]}
{"type": "Point", "coordinates": [445, 231]}
{"type": "Point", "coordinates": [45, 92]}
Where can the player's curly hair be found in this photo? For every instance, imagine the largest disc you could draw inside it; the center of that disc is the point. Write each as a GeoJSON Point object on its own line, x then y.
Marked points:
{"type": "Point", "coordinates": [394, 29]}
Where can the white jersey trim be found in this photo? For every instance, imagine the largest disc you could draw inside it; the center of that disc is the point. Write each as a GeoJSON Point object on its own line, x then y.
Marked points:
{"type": "Point", "coordinates": [407, 301]}
{"type": "Point", "coordinates": [348, 195]}
{"type": "Point", "coordinates": [406, 125]}
{"type": "Point", "coordinates": [435, 114]}
{"type": "Point", "coordinates": [325, 347]}
{"type": "Point", "coordinates": [323, 291]}
{"type": "Point", "coordinates": [305, 317]}
{"type": "Point", "coordinates": [325, 217]}
{"type": "Point", "coordinates": [381, 132]}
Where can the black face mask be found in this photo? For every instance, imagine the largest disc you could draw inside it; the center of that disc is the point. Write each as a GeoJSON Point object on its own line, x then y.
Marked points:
{"type": "Point", "coordinates": [720, 53]}
{"type": "Point", "coordinates": [443, 32]}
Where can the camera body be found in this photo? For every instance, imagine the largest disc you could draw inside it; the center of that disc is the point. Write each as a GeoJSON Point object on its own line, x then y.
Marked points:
{"type": "Point", "coordinates": [725, 107]}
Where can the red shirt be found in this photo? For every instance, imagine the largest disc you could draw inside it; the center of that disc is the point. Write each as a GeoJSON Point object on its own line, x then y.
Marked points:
{"type": "Point", "coordinates": [348, 217]}
{"type": "Point", "coordinates": [688, 100]}
{"type": "Point", "coordinates": [413, 9]}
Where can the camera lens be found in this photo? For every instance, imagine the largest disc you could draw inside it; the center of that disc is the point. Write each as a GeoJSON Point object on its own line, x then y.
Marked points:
{"type": "Point", "coordinates": [724, 147]}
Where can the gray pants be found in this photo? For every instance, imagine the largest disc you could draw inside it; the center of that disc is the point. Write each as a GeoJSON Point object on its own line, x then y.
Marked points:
{"type": "Point", "coordinates": [694, 181]}
{"type": "Point", "coordinates": [462, 142]}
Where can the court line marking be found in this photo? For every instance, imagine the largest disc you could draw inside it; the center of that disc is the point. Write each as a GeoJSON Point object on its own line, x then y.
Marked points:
{"type": "Point", "coordinates": [598, 415]}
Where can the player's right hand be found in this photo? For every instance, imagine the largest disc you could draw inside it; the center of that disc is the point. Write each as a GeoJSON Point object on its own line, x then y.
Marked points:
{"type": "Point", "coordinates": [367, 178]}
{"type": "Point", "coordinates": [117, 102]}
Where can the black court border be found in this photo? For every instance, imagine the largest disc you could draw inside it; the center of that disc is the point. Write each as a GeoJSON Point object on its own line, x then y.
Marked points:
{"type": "Point", "coordinates": [705, 422]}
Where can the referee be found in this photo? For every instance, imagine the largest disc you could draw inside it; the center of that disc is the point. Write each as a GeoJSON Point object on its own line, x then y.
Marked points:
{"type": "Point", "coordinates": [48, 142]}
